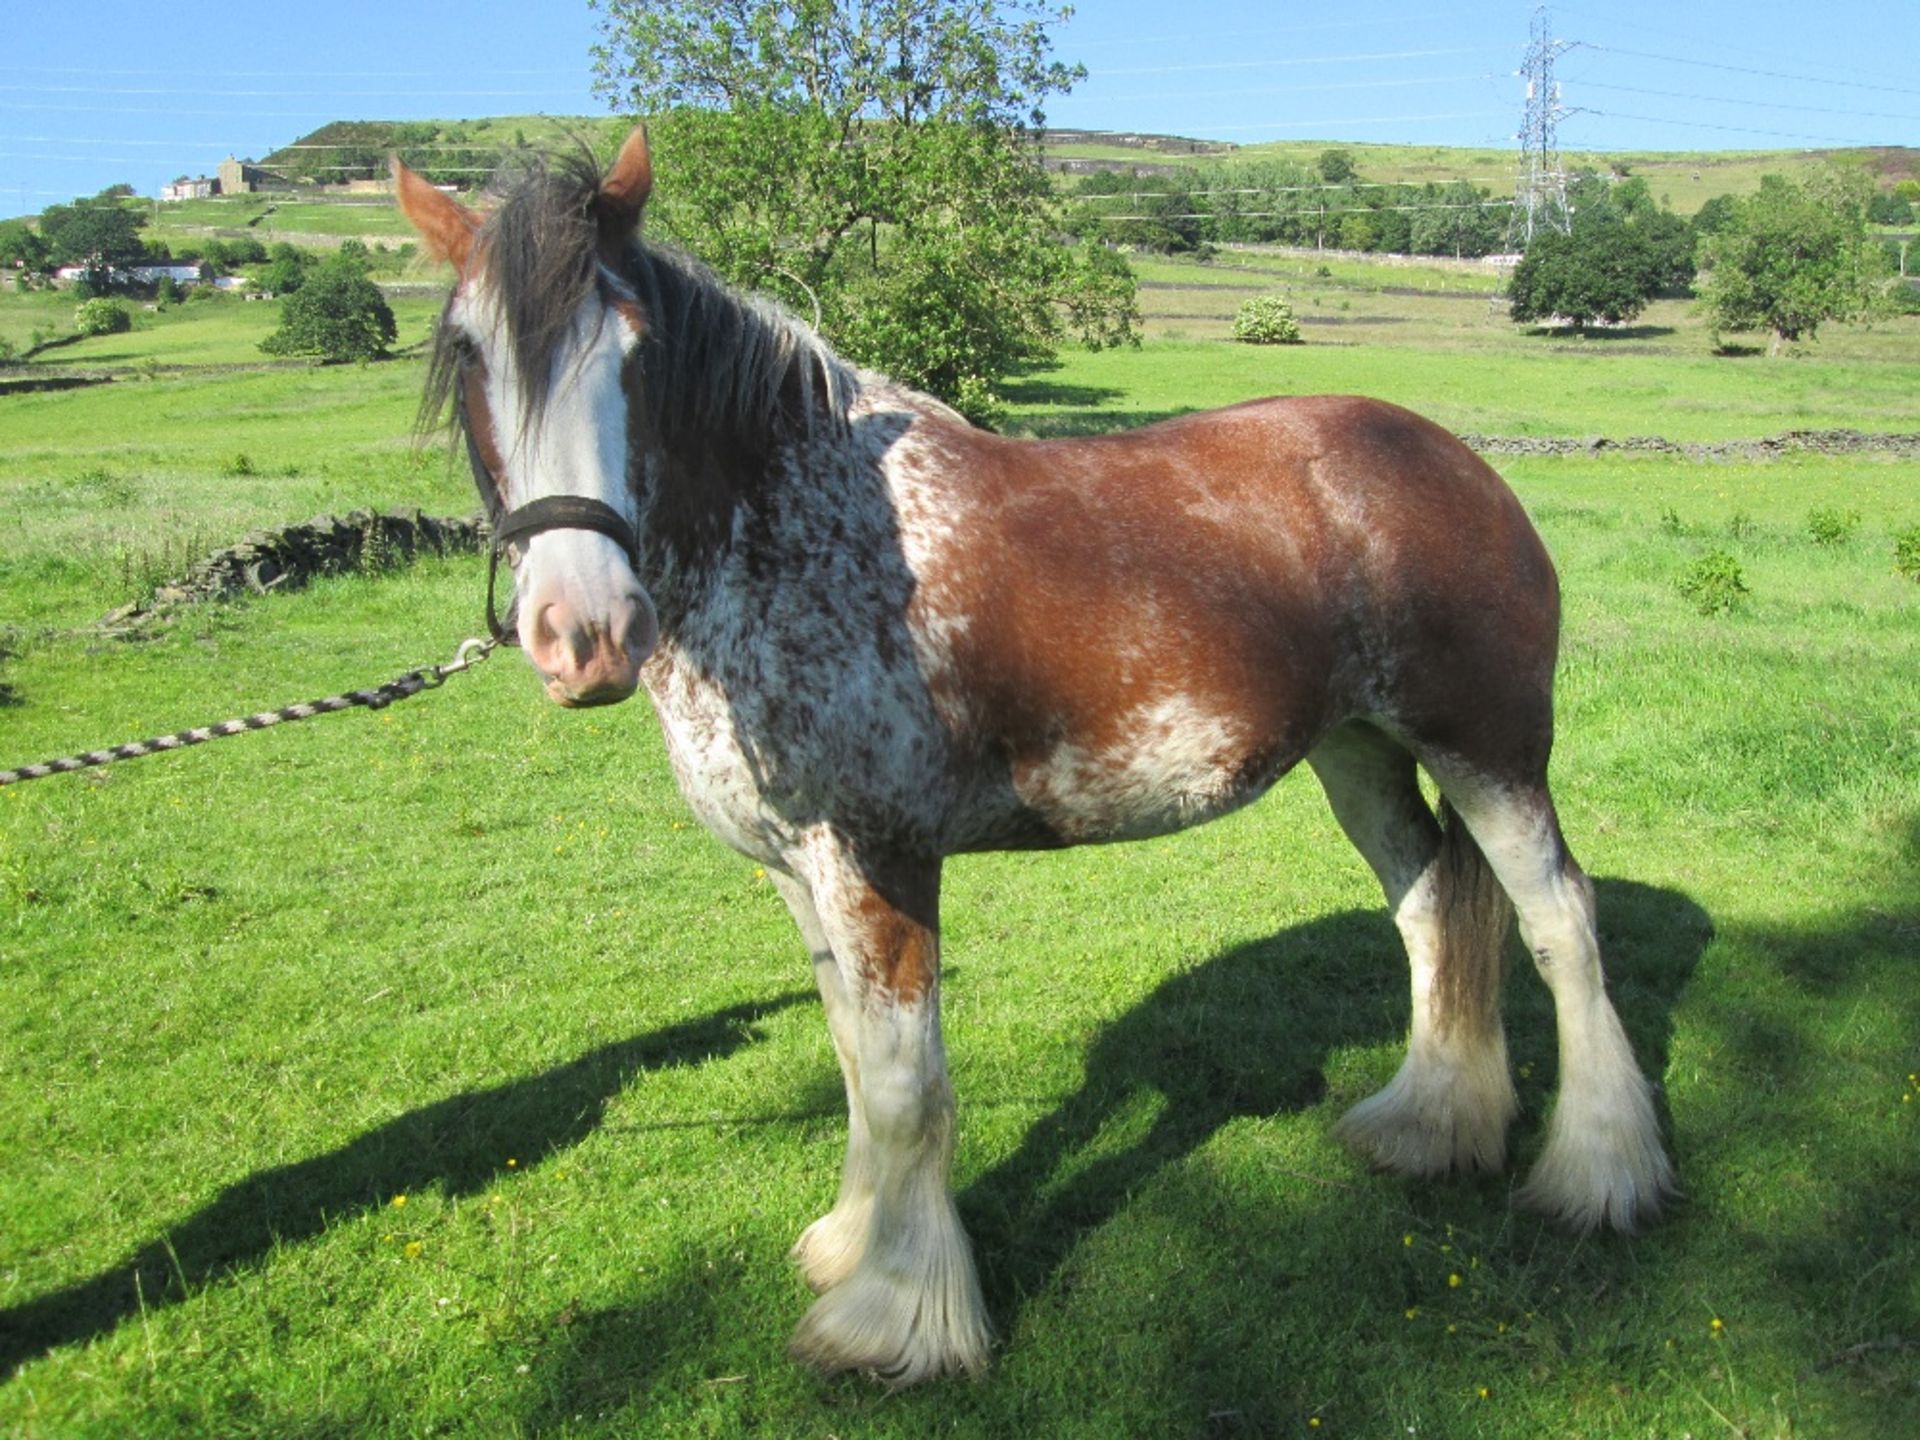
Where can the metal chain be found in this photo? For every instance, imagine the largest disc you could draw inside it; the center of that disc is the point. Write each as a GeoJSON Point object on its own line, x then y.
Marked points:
{"type": "Point", "coordinates": [470, 653]}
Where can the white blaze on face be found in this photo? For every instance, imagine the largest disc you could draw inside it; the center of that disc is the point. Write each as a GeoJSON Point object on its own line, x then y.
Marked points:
{"type": "Point", "coordinates": [583, 619]}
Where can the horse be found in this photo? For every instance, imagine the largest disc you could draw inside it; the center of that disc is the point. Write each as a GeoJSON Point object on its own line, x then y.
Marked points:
{"type": "Point", "coordinates": [876, 636]}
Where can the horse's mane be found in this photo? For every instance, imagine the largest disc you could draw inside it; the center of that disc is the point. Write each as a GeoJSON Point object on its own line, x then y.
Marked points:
{"type": "Point", "coordinates": [713, 361]}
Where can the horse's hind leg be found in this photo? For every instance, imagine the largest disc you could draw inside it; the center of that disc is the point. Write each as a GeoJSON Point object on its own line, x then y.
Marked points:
{"type": "Point", "coordinates": [1604, 1162]}
{"type": "Point", "coordinates": [1450, 1104]}
{"type": "Point", "coordinates": [909, 1306]}
{"type": "Point", "coordinates": [829, 1249]}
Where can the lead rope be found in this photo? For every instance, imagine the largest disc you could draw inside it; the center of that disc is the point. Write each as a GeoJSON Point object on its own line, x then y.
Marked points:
{"type": "Point", "coordinates": [470, 653]}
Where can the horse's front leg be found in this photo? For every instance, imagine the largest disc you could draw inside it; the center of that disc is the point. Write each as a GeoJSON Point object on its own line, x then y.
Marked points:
{"type": "Point", "coordinates": [831, 1246]}
{"type": "Point", "coordinates": [904, 1302]}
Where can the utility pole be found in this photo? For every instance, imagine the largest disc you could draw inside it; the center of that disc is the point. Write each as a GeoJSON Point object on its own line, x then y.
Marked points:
{"type": "Point", "coordinates": [1540, 195]}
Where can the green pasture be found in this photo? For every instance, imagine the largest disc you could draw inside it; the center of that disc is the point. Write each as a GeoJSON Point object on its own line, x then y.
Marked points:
{"type": "Point", "coordinates": [1684, 180]}
{"type": "Point", "coordinates": [430, 1071]}
{"type": "Point", "coordinates": [1343, 302]}
{"type": "Point", "coordinates": [1502, 386]}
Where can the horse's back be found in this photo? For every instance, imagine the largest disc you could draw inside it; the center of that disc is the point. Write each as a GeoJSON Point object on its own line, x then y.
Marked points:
{"type": "Point", "coordinates": [1145, 629]}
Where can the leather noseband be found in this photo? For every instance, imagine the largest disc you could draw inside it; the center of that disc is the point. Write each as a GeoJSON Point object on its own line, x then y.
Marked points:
{"type": "Point", "coordinates": [549, 512]}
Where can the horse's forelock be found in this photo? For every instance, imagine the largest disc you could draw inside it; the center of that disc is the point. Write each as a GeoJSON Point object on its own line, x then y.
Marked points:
{"type": "Point", "coordinates": [716, 361]}
{"type": "Point", "coordinates": [538, 254]}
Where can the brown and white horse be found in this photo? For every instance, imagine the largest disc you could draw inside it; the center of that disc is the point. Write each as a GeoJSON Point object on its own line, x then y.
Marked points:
{"type": "Point", "coordinates": [876, 637]}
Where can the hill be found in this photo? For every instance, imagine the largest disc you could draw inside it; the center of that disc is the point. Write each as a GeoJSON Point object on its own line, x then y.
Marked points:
{"type": "Point", "coordinates": [462, 149]}
{"type": "Point", "coordinates": [1685, 180]}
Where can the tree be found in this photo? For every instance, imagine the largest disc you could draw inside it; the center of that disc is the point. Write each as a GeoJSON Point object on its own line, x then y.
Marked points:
{"type": "Point", "coordinates": [1336, 167]}
{"type": "Point", "coordinates": [872, 165]}
{"type": "Point", "coordinates": [102, 235]}
{"type": "Point", "coordinates": [287, 269]}
{"type": "Point", "coordinates": [1715, 214]}
{"type": "Point", "coordinates": [337, 314]}
{"type": "Point", "coordinates": [1890, 209]}
{"type": "Point", "coordinates": [1457, 220]}
{"type": "Point", "coordinates": [1140, 212]}
{"type": "Point", "coordinates": [1795, 256]}
{"type": "Point", "coordinates": [1599, 271]}
{"type": "Point", "coordinates": [22, 247]}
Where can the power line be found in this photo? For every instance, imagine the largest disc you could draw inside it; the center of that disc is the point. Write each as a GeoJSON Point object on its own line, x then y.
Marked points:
{"type": "Point", "coordinates": [1326, 124]}
{"type": "Point", "coordinates": [1267, 32]}
{"type": "Point", "coordinates": [278, 92]}
{"type": "Point", "coordinates": [1748, 70]}
{"type": "Point", "coordinates": [1730, 129]}
{"type": "Point", "coordinates": [1275, 64]}
{"type": "Point", "coordinates": [1213, 94]}
{"type": "Point", "coordinates": [1751, 104]}
{"type": "Point", "coordinates": [1716, 42]}
{"type": "Point", "coordinates": [267, 74]}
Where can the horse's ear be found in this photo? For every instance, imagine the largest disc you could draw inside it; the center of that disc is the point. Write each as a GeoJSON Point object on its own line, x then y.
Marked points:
{"type": "Point", "coordinates": [447, 226]}
{"type": "Point", "coordinates": [624, 191]}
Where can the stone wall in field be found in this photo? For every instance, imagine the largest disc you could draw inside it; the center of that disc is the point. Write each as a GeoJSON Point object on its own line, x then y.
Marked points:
{"type": "Point", "coordinates": [1820, 442]}
{"type": "Point", "coordinates": [287, 559]}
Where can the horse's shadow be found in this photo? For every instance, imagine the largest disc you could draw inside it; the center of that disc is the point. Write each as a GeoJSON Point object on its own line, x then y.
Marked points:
{"type": "Point", "coordinates": [1249, 1034]}
{"type": "Point", "coordinates": [1246, 1033]}
{"type": "Point", "coordinates": [461, 1144]}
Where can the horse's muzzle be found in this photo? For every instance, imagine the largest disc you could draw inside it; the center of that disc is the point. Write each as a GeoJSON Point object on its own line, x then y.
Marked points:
{"type": "Point", "coordinates": [592, 662]}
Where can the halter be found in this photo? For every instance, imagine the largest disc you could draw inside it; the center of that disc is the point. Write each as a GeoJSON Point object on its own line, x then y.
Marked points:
{"type": "Point", "coordinates": [549, 512]}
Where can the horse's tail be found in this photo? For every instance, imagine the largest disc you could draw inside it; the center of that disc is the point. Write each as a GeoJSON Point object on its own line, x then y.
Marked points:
{"type": "Point", "coordinates": [1475, 916]}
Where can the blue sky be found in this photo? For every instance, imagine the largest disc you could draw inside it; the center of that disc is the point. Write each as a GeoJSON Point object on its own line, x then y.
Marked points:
{"type": "Point", "coordinates": [142, 93]}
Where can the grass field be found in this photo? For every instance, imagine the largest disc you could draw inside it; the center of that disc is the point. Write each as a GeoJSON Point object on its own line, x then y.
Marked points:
{"type": "Point", "coordinates": [1684, 180]}
{"type": "Point", "coordinates": [430, 1072]}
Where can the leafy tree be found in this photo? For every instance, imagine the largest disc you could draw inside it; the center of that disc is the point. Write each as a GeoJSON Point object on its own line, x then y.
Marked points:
{"type": "Point", "coordinates": [22, 247]}
{"type": "Point", "coordinates": [1796, 256]}
{"type": "Point", "coordinates": [287, 269]}
{"type": "Point", "coordinates": [1716, 214]}
{"type": "Point", "coordinates": [337, 314]}
{"type": "Point", "coordinates": [226, 254]}
{"type": "Point", "coordinates": [872, 164]}
{"type": "Point", "coordinates": [1336, 167]}
{"type": "Point", "coordinates": [1599, 271]}
{"type": "Point", "coordinates": [100, 234]}
{"type": "Point", "coordinates": [1457, 220]}
{"type": "Point", "coordinates": [1142, 212]}
{"type": "Point", "coordinates": [1890, 209]}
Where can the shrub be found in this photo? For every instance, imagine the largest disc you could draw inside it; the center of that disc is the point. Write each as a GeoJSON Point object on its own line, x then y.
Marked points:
{"type": "Point", "coordinates": [1830, 525]}
{"type": "Point", "coordinates": [1266, 320]}
{"type": "Point", "coordinates": [337, 314]}
{"type": "Point", "coordinates": [102, 317]}
{"type": "Point", "coordinates": [975, 398]}
{"type": "Point", "coordinates": [1714, 583]}
{"type": "Point", "coordinates": [1906, 553]}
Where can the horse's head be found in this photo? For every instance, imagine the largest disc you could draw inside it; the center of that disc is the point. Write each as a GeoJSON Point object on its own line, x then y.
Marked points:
{"type": "Point", "coordinates": [534, 349]}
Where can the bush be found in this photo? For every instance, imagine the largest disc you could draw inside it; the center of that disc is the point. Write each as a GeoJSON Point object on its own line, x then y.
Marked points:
{"type": "Point", "coordinates": [1266, 320]}
{"type": "Point", "coordinates": [1906, 553]}
{"type": "Point", "coordinates": [1830, 525]}
{"type": "Point", "coordinates": [337, 314]}
{"type": "Point", "coordinates": [1714, 583]}
{"type": "Point", "coordinates": [102, 317]}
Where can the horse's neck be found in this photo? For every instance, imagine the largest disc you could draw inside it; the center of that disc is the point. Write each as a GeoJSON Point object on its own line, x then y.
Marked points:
{"type": "Point", "coordinates": [726, 423]}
